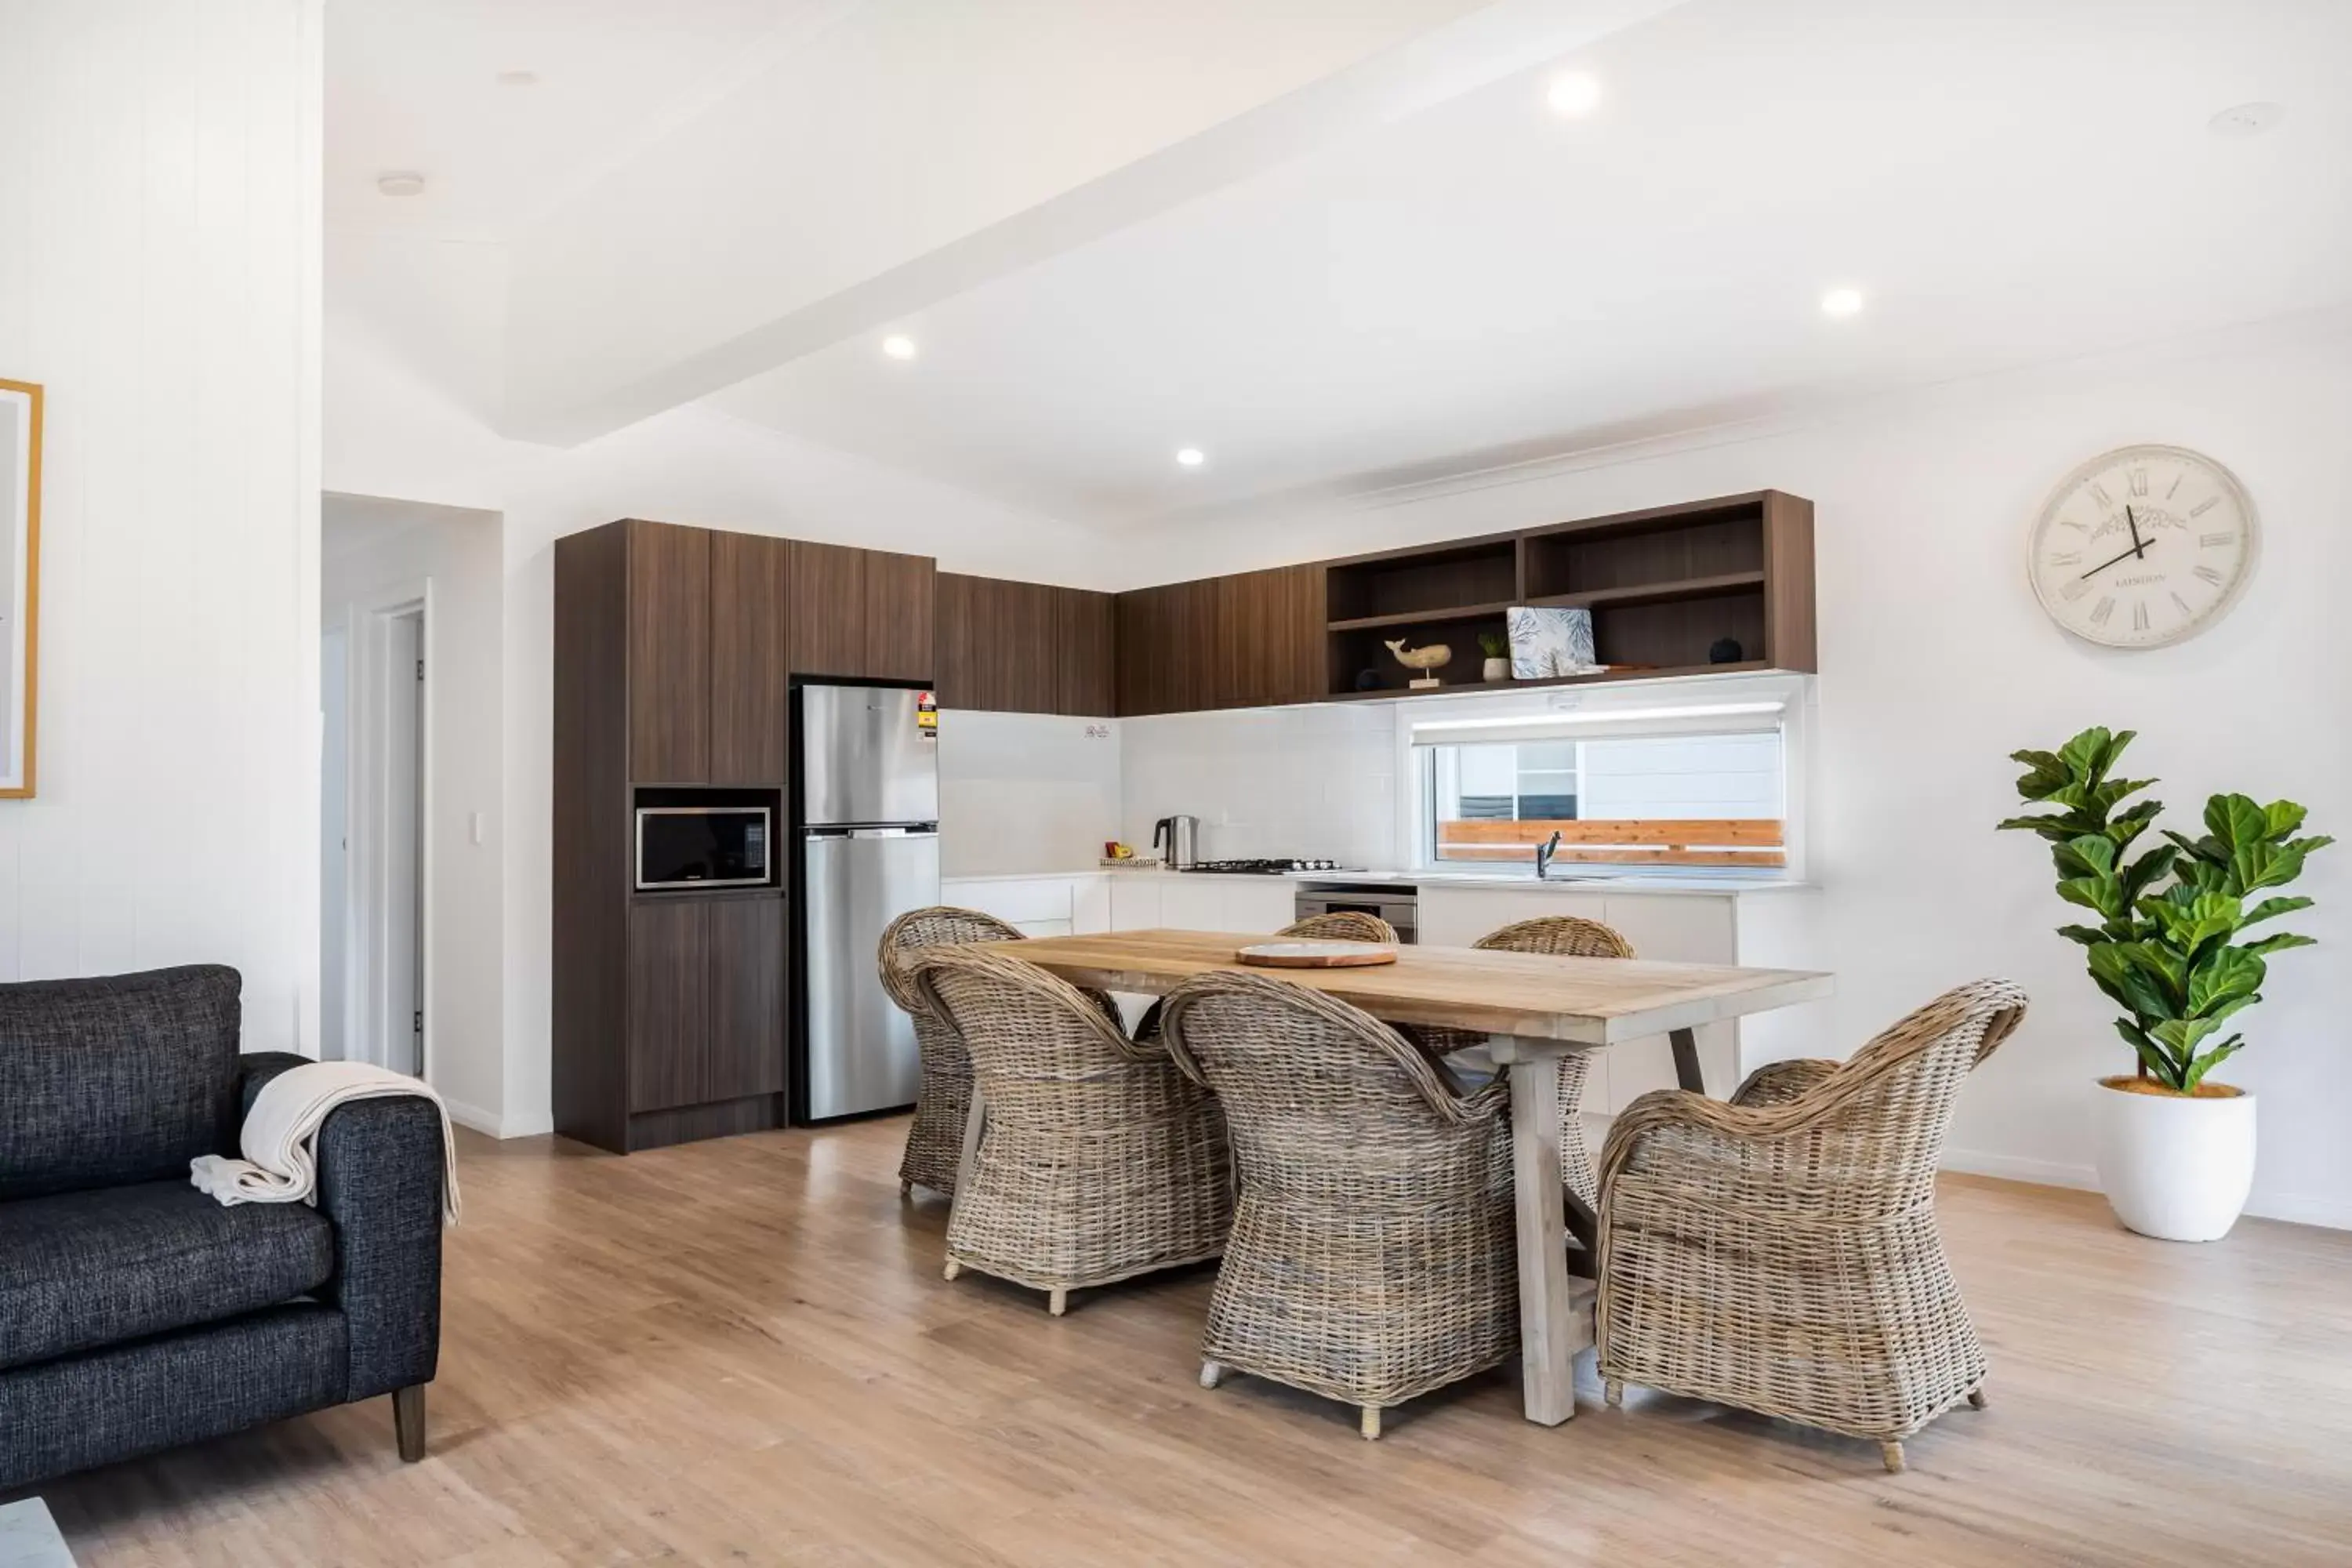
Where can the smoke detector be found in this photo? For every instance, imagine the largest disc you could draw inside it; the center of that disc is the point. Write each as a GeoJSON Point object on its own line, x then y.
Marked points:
{"type": "Point", "coordinates": [401, 183]}
{"type": "Point", "coordinates": [2246, 118]}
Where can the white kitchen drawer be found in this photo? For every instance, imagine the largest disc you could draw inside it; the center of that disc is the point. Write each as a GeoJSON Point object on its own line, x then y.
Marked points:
{"type": "Point", "coordinates": [1043, 928]}
{"type": "Point", "coordinates": [1044, 898]}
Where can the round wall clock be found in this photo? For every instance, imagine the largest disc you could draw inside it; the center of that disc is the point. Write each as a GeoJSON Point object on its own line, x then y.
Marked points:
{"type": "Point", "coordinates": [2143, 546]}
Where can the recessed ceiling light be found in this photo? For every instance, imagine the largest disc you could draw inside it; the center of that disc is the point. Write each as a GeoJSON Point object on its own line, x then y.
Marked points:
{"type": "Point", "coordinates": [401, 183]}
{"type": "Point", "coordinates": [1191, 456]}
{"type": "Point", "coordinates": [2246, 118]}
{"type": "Point", "coordinates": [897, 345]}
{"type": "Point", "coordinates": [518, 78]}
{"type": "Point", "coordinates": [1841, 302]}
{"type": "Point", "coordinates": [1574, 94]}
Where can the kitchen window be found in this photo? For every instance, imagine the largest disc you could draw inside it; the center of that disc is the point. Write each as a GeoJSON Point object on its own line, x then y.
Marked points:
{"type": "Point", "coordinates": [1700, 789]}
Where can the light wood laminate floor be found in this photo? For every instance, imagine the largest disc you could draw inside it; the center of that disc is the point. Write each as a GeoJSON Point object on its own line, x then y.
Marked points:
{"type": "Point", "coordinates": [743, 1351]}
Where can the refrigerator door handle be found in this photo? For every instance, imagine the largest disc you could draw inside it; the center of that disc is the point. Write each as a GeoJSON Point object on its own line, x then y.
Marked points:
{"type": "Point", "coordinates": [893, 832]}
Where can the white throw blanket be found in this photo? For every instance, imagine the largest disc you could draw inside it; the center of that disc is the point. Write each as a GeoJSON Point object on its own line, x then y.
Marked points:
{"type": "Point", "coordinates": [280, 1138]}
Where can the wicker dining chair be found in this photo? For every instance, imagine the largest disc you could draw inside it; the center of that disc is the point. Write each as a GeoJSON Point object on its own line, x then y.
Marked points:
{"type": "Point", "coordinates": [1372, 1256]}
{"type": "Point", "coordinates": [1338, 925]}
{"type": "Point", "coordinates": [1778, 1252]}
{"type": "Point", "coordinates": [1557, 936]}
{"type": "Point", "coordinates": [943, 1096]}
{"type": "Point", "coordinates": [1098, 1161]}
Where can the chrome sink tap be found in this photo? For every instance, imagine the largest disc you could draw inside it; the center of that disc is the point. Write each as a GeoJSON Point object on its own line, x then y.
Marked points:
{"type": "Point", "coordinates": [1544, 852]}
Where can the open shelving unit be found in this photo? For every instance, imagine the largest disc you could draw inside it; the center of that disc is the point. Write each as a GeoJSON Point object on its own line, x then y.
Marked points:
{"type": "Point", "coordinates": [1664, 586]}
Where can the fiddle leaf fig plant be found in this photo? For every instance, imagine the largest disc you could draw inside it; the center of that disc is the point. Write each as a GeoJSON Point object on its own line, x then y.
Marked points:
{"type": "Point", "coordinates": [2168, 954]}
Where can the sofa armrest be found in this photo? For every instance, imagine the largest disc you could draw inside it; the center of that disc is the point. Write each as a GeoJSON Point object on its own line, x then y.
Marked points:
{"type": "Point", "coordinates": [379, 1172]}
{"type": "Point", "coordinates": [379, 1175]}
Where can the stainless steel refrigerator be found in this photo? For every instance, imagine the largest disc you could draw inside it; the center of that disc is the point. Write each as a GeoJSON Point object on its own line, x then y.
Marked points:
{"type": "Point", "coordinates": [865, 850]}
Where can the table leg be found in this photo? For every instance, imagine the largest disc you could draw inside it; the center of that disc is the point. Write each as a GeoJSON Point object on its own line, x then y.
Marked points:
{"type": "Point", "coordinates": [974, 1121]}
{"type": "Point", "coordinates": [1547, 1338]}
{"type": "Point", "coordinates": [1686, 1070]}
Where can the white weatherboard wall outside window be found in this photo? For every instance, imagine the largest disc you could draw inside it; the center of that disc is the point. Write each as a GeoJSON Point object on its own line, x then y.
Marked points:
{"type": "Point", "coordinates": [1722, 748]}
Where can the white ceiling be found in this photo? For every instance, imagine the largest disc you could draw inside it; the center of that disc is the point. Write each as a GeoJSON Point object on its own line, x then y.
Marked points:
{"type": "Point", "coordinates": [1372, 255]}
{"type": "Point", "coordinates": [412, 85]}
{"type": "Point", "coordinates": [2009, 182]}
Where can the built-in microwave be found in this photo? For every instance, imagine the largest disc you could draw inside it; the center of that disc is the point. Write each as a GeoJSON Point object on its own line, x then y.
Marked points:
{"type": "Point", "coordinates": [702, 845]}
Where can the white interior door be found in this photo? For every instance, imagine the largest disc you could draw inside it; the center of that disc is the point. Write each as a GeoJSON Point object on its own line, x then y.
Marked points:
{"type": "Point", "coordinates": [403, 929]}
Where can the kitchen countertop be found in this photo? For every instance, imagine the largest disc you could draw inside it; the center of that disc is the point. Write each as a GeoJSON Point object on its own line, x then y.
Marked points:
{"type": "Point", "coordinates": [1713, 887]}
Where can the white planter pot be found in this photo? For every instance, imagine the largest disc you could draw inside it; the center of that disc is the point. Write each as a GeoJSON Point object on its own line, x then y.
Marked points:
{"type": "Point", "coordinates": [2172, 1166]}
{"type": "Point", "coordinates": [1497, 670]}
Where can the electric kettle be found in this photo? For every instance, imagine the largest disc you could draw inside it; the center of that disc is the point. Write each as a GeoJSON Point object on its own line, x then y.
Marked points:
{"type": "Point", "coordinates": [1176, 839]}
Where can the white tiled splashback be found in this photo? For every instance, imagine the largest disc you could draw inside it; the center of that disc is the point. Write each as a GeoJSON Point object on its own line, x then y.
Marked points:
{"type": "Point", "coordinates": [1025, 792]}
{"type": "Point", "coordinates": [1317, 782]}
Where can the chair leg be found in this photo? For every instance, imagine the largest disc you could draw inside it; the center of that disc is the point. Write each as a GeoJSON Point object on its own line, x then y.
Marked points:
{"type": "Point", "coordinates": [1893, 1454]}
{"type": "Point", "coordinates": [1212, 1374]}
{"type": "Point", "coordinates": [1977, 1397]}
{"type": "Point", "coordinates": [1057, 1302]}
{"type": "Point", "coordinates": [951, 1271]}
{"type": "Point", "coordinates": [906, 1188]}
{"type": "Point", "coordinates": [1613, 1389]}
{"type": "Point", "coordinates": [408, 1421]}
{"type": "Point", "coordinates": [1371, 1423]}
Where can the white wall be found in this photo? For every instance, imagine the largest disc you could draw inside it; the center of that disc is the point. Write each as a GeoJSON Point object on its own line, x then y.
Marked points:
{"type": "Point", "coordinates": [159, 274]}
{"type": "Point", "coordinates": [1936, 662]}
{"type": "Point", "coordinates": [1025, 792]}
{"type": "Point", "coordinates": [378, 551]}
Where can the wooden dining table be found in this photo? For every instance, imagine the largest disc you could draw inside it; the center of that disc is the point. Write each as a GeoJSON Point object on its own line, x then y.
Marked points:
{"type": "Point", "coordinates": [1534, 1009]}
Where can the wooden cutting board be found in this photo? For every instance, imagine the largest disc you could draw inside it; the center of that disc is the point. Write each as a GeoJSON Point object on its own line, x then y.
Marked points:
{"type": "Point", "coordinates": [1317, 955]}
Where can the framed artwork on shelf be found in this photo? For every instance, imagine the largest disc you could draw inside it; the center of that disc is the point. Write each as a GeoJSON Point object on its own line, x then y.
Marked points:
{"type": "Point", "coordinates": [1546, 643]}
{"type": "Point", "coordinates": [20, 579]}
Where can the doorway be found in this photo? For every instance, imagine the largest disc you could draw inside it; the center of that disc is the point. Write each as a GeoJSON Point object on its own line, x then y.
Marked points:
{"type": "Point", "coordinates": [374, 885]}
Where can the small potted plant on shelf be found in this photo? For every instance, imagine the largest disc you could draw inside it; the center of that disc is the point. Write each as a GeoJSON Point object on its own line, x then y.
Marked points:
{"type": "Point", "coordinates": [1497, 646]}
{"type": "Point", "coordinates": [2176, 1147]}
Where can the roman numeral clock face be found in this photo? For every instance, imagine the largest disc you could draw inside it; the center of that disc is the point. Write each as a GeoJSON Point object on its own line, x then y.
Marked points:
{"type": "Point", "coordinates": [2143, 546]}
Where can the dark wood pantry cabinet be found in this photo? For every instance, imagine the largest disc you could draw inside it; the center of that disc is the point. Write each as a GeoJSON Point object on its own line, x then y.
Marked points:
{"type": "Point", "coordinates": [674, 651]}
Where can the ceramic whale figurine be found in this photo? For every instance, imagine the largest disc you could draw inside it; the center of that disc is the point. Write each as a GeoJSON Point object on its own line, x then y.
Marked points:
{"type": "Point", "coordinates": [1435, 656]}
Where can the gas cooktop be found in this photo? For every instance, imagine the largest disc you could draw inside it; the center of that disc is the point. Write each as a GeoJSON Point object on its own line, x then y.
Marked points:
{"type": "Point", "coordinates": [1262, 867]}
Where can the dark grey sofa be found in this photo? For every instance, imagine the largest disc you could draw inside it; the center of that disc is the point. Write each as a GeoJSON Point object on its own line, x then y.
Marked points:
{"type": "Point", "coordinates": [135, 1312]}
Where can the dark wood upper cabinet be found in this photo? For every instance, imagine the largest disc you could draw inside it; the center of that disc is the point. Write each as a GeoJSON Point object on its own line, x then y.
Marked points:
{"type": "Point", "coordinates": [1022, 647]}
{"type": "Point", "coordinates": [825, 614]}
{"type": "Point", "coordinates": [751, 609]}
{"type": "Point", "coordinates": [955, 608]}
{"type": "Point", "coordinates": [1270, 637]}
{"type": "Point", "coordinates": [1147, 622]}
{"type": "Point", "coordinates": [898, 599]}
{"type": "Point", "coordinates": [1086, 663]}
{"type": "Point", "coordinates": [669, 654]}
{"type": "Point", "coordinates": [860, 614]}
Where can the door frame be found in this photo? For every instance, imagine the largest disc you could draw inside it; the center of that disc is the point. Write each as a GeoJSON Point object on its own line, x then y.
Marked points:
{"type": "Point", "coordinates": [367, 810]}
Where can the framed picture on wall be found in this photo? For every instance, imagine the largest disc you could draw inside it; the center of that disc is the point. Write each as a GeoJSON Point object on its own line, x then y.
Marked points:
{"type": "Point", "coordinates": [20, 579]}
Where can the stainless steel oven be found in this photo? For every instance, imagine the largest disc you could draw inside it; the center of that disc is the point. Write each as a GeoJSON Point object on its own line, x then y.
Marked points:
{"type": "Point", "coordinates": [1399, 903]}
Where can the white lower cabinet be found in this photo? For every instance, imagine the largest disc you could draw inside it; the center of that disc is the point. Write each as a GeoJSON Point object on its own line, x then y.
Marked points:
{"type": "Point", "coordinates": [1037, 906]}
{"type": "Point", "coordinates": [1134, 901]}
{"type": "Point", "coordinates": [1143, 900]}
